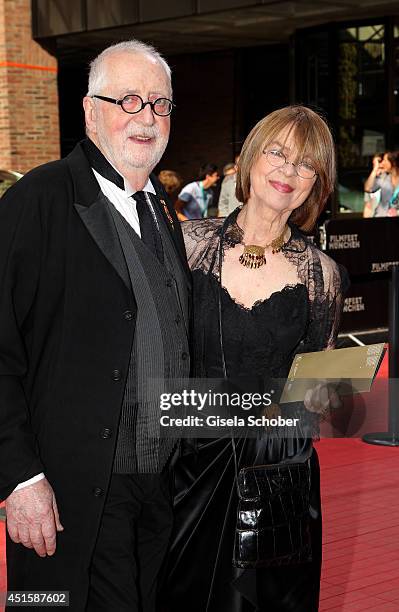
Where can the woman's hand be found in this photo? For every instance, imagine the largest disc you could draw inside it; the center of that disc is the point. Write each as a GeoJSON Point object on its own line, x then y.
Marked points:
{"type": "Point", "coordinates": [322, 398]}
{"type": "Point", "coordinates": [376, 165]}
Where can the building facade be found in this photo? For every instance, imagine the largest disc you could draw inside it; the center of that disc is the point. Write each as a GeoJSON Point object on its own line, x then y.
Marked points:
{"type": "Point", "coordinates": [233, 62]}
{"type": "Point", "coordinates": [29, 117]}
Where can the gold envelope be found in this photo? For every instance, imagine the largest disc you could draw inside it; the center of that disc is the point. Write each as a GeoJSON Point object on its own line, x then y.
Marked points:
{"type": "Point", "coordinates": [350, 370]}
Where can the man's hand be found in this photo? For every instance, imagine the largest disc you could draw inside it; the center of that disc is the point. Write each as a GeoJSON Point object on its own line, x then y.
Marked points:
{"type": "Point", "coordinates": [32, 517]}
{"type": "Point", "coordinates": [321, 398]}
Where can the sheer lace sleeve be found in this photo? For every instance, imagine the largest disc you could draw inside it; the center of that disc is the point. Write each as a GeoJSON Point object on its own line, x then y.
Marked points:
{"type": "Point", "coordinates": [334, 299]}
{"type": "Point", "coordinates": [201, 237]}
{"type": "Point", "coordinates": [323, 279]}
{"type": "Point", "coordinates": [326, 302]}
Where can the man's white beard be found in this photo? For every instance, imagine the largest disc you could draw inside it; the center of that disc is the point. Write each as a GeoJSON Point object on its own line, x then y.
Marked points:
{"type": "Point", "coordinates": [134, 159]}
{"type": "Point", "coordinates": [130, 155]}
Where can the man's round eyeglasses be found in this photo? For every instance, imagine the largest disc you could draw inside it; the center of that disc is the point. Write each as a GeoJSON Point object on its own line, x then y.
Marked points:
{"type": "Point", "coordinates": [278, 159]}
{"type": "Point", "coordinates": [133, 104]}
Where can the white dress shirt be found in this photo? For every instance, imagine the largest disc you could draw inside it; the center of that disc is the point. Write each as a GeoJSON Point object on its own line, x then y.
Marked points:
{"type": "Point", "coordinates": [122, 200]}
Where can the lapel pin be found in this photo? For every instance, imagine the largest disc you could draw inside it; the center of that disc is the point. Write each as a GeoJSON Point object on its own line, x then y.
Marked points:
{"type": "Point", "coordinates": [167, 213]}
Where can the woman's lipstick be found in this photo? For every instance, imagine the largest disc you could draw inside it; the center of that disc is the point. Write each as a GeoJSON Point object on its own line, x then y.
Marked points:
{"type": "Point", "coordinates": [282, 187]}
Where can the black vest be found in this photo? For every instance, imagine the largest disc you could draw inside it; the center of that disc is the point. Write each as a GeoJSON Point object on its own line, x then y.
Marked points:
{"type": "Point", "coordinates": [160, 349]}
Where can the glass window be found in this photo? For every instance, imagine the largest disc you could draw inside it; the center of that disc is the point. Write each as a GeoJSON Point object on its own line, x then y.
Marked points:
{"type": "Point", "coordinates": [313, 81]}
{"type": "Point", "coordinates": [361, 72]}
{"type": "Point", "coordinates": [361, 109]}
{"type": "Point", "coordinates": [351, 72]}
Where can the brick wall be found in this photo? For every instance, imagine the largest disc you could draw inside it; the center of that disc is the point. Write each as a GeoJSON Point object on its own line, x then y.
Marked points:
{"type": "Point", "coordinates": [29, 123]}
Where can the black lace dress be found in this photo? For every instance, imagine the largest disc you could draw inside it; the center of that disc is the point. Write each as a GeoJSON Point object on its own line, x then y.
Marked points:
{"type": "Point", "coordinates": [258, 341]}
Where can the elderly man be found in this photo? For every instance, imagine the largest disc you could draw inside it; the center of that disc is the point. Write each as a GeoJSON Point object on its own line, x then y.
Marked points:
{"type": "Point", "coordinates": [94, 304]}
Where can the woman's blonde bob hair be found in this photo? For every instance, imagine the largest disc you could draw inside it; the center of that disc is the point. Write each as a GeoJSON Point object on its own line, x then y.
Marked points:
{"type": "Point", "coordinates": [313, 141]}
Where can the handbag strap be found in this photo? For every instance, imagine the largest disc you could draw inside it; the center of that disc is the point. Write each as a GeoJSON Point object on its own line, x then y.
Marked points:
{"type": "Point", "coordinates": [221, 343]}
{"type": "Point", "coordinates": [220, 323]}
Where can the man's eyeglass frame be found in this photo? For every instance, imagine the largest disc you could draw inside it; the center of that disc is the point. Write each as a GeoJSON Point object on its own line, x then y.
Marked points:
{"type": "Point", "coordinates": [143, 104]}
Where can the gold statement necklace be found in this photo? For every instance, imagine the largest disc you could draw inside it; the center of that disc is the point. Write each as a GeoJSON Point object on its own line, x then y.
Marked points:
{"type": "Point", "coordinates": [253, 255]}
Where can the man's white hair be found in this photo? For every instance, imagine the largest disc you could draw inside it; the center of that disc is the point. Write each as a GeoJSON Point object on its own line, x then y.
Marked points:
{"type": "Point", "coordinates": [97, 73]}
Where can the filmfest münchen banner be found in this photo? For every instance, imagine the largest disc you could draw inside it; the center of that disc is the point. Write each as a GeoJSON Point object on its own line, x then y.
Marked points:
{"type": "Point", "coordinates": [367, 248]}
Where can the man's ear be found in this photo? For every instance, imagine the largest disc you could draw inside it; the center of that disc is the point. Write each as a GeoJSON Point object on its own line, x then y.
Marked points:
{"type": "Point", "coordinates": [90, 111]}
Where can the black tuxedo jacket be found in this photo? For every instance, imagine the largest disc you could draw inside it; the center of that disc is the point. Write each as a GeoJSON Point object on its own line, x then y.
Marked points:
{"type": "Point", "coordinates": [67, 318]}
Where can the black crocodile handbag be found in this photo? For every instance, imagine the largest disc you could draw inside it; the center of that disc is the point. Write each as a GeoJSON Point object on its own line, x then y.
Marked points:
{"type": "Point", "coordinates": [273, 518]}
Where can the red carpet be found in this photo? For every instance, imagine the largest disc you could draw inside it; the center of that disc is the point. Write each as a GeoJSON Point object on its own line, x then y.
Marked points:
{"type": "Point", "coordinates": [360, 496]}
{"type": "Point", "coordinates": [362, 413]}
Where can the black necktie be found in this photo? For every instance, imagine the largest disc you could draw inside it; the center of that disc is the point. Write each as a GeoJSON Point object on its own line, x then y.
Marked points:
{"type": "Point", "coordinates": [148, 229]}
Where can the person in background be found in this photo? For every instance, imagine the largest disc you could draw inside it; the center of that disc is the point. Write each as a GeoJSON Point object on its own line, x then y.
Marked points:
{"type": "Point", "coordinates": [393, 204]}
{"type": "Point", "coordinates": [172, 182]}
{"type": "Point", "coordinates": [381, 184]}
{"type": "Point", "coordinates": [229, 169]}
{"type": "Point", "coordinates": [227, 199]}
{"type": "Point", "coordinates": [197, 197]}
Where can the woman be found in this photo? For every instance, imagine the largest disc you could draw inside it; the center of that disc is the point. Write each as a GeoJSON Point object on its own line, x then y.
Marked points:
{"type": "Point", "coordinates": [288, 301]}
{"type": "Point", "coordinates": [382, 186]}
